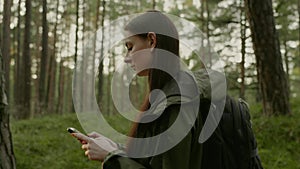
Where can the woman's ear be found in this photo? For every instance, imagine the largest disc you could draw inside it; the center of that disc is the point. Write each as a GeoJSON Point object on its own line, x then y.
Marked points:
{"type": "Point", "coordinates": [152, 39]}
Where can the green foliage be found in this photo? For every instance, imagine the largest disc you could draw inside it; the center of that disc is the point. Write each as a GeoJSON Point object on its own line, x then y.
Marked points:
{"type": "Point", "coordinates": [278, 138]}
{"type": "Point", "coordinates": [44, 143]}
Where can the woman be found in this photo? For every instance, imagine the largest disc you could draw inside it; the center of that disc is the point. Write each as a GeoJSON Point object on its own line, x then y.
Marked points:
{"type": "Point", "coordinates": [153, 51]}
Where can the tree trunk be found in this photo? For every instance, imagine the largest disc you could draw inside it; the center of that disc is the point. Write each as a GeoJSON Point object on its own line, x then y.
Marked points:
{"type": "Point", "coordinates": [83, 61]}
{"type": "Point", "coordinates": [60, 102]}
{"type": "Point", "coordinates": [26, 71]}
{"type": "Point", "coordinates": [202, 27]}
{"type": "Point", "coordinates": [77, 30]}
{"type": "Point", "coordinates": [50, 98]}
{"type": "Point", "coordinates": [208, 31]}
{"type": "Point", "coordinates": [153, 4]}
{"type": "Point", "coordinates": [77, 65]}
{"type": "Point", "coordinates": [18, 61]}
{"type": "Point", "coordinates": [94, 49]}
{"type": "Point", "coordinates": [69, 106]}
{"type": "Point", "coordinates": [44, 58]}
{"type": "Point", "coordinates": [272, 78]}
{"type": "Point", "coordinates": [51, 84]}
{"type": "Point", "coordinates": [6, 41]}
{"type": "Point", "coordinates": [286, 61]}
{"type": "Point", "coordinates": [100, 69]}
{"type": "Point", "coordinates": [7, 158]}
{"type": "Point", "coordinates": [243, 48]}
{"type": "Point", "coordinates": [36, 55]}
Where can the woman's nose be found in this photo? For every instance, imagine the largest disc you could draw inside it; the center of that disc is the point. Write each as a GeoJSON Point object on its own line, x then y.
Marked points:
{"type": "Point", "coordinates": [127, 59]}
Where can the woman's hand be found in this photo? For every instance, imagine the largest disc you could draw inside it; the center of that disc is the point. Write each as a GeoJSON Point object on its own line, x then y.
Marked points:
{"type": "Point", "coordinates": [96, 146]}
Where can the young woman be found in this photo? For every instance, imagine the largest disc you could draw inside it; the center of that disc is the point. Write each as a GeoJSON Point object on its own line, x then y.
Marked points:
{"type": "Point", "coordinates": [153, 51]}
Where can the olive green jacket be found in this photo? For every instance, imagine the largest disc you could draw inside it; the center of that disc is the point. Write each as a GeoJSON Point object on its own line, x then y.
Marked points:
{"type": "Point", "coordinates": [181, 103]}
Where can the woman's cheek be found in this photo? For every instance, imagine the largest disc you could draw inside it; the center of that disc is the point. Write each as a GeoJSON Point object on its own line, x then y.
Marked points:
{"type": "Point", "coordinates": [143, 60]}
{"type": "Point", "coordinates": [147, 59]}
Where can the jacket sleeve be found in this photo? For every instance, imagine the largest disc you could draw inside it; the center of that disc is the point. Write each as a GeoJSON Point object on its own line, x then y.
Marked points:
{"type": "Point", "coordinates": [116, 161]}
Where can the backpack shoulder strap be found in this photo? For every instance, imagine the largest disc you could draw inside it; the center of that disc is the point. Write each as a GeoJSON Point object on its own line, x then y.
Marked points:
{"type": "Point", "coordinates": [236, 112]}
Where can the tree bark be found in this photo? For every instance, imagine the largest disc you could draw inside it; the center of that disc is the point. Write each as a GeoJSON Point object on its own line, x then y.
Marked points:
{"type": "Point", "coordinates": [94, 49]}
{"type": "Point", "coordinates": [208, 30]}
{"type": "Point", "coordinates": [7, 158]}
{"type": "Point", "coordinates": [44, 60]}
{"type": "Point", "coordinates": [24, 112]}
{"type": "Point", "coordinates": [153, 4]}
{"type": "Point", "coordinates": [243, 49]}
{"type": "Point", "coordinates": [271, 76]}
{"type": "Point", "coordinates": [100, 68]}
{"type": "Point", "coordinates": [77, 30]}
{"type": "Point", "coordinates": [6, 40]}
{"type": "Point", "coordinates": [286, 61]}
{"type": "Point", "coordinates": [35, 55]}
{"type": "Point", "coordinates": [50, 98]}
{"type": "Point", "coordinates": [17, 78]}
{"type": "Point", "coordinates": [84, 60]}
{"type": "Point", "coordinates": [60, 102]}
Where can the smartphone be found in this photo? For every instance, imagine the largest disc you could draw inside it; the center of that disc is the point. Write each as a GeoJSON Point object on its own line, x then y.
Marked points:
{"type": "Point", "coordinates": [72, 130]}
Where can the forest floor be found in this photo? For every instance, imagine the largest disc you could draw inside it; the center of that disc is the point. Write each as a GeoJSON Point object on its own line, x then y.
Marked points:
{"type": "Point", "coordinates": [43, 142]}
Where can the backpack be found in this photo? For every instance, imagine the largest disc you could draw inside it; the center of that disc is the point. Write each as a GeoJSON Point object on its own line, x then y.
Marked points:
{"type": "Point", "coordinates": [233, 144]}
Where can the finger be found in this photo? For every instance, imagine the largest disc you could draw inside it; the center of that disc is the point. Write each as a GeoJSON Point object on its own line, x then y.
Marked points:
{"type": "Point", "coordinates": [82, 141]}
{"type": "Point", "coordinates": [86, 153]}
{"type": "Point", "coordinates": [85, 147]}
{"type": "Point", "coordinates": [81, 137]}
{"type": "Point", "coordinates": [90, 155]}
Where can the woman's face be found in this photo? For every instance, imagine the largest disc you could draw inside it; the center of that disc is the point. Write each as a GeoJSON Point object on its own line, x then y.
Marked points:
{"type": "Point", "coordinates": [139, 54]}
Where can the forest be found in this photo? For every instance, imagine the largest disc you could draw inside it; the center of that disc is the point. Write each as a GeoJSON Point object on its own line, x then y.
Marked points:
{"type": "Point", "coordinates": [44, 46]}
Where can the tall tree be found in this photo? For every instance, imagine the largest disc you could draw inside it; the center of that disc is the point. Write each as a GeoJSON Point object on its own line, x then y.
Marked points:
{"type": "Point", "coordinates": [153, 4]}
{"type": "Point", "coordinates": [7, 158]}
{"type": "Point", "coordinates": [17, 73]}
{"type": "Point", "coordinates": [100, 68]}
{"type": "Point", "coordinates": [95, 45]}
{"type": "Point", "coordinates": [35, 52]}
{"type": "Point", "coordinates": [77, 30]}
{"type": "Point", "coordinates": [271, 76]}
{"type": "Point", "coordinates": [50, 98]}
{"type": "Point", "coordinates": [61, 89]}
{"type": "Point", "coordinates": [61, 75]}
{"type": "Point", "coordinates": [26, 71]}
{"type": "Point", "coordinates": [6, 39]}
{"type": "Point", "coordinates": [287, 30]}
{"type": "Point", "coordinates": [44, 58]}
{"type": "Point", "coordinates": [287, 63]}
{"type": "Point", "coordinates": [243, 48]}
{"type": "Point", "coordinates": [207, 10]}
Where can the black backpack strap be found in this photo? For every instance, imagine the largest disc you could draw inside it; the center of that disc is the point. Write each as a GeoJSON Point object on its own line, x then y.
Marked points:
{"type": "Point", "coordinates": [254, 153]}
{"type": "Point", "coordinates": [237, 119]}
